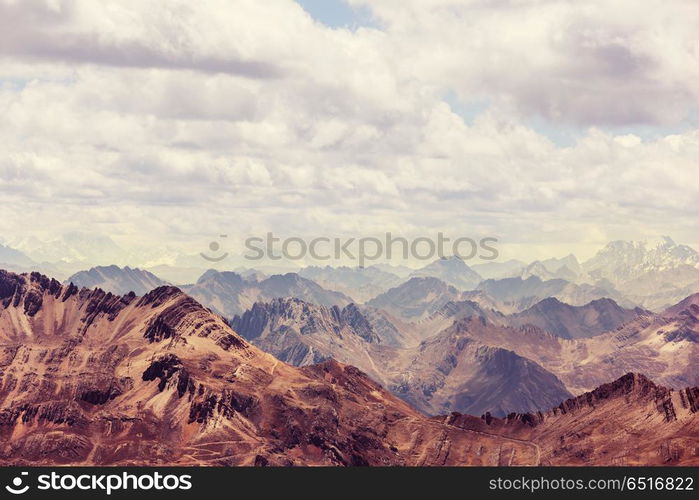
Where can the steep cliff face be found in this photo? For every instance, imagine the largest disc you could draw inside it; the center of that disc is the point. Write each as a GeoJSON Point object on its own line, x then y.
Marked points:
{"type": "Point", "coordinates": [630, 421]}
{"type": "Point", "coordinates": [87, 377]}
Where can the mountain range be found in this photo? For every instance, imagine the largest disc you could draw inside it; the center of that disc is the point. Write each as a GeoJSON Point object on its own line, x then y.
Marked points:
{"type": "Point", "coordinates": [93, 378]}
{"type": "Point", "coordinates": [454, 359]}
{"type": "Point", "coordinates": [652, 275]}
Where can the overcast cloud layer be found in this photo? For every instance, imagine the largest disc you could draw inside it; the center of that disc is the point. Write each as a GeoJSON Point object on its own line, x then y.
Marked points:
{"type": "Point", "coordinates": [170, 122]}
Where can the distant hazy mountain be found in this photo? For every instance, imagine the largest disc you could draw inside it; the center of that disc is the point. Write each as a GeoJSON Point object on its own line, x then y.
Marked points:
{"type": "Point", "coordinates": [657, 290]}
{"type": "Point", "coordinates": [178, 276]}
{"type": "Point", "coordinates": [14, 258]}
{"type": "Point", "coordinates": [117, 280]}
{"type": "Point", "coordinates": [400, 271]}
{"type": "Point", "coordinates": [253, 274]}
{"type": "Point", "coordinates": [653, 275]}
{"type": "Point", "coordinates": [539, 270]}
{"type": "Point", "coordinates": [454, 311]}
{"type": "Point", "coordinates": [550, 314]}
{"type": "Point", "coordinates": [451, 270]}
{"type": "Point", "coordinates": [94, 249]}
{"type": "Point", "coordinates": [570, 262]}
{"type": "Point", "coordinates": [228, 293]}
{"type": "Point", "coordinates": [417, 298]}
{"type": "Point", "coordinates": [574, 322]}
{"type": "Point", "coordinates": [621, 261]}
{"type": "Point", "coordinates": [518, 294]}
{"type": "Point", "coordinates": [663, 346]}
{"type": "Point", "coordinates": [500, 270]}
{"type": "Point", "coordinates": [360, 283]}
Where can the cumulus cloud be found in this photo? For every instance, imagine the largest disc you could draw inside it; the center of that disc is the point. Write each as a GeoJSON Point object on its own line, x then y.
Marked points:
{"type": "Point", "coordinates": [172, 122]}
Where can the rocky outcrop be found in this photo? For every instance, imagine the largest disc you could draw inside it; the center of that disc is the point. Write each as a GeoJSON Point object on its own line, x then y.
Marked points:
{"type": "Point", "coordinates": [630, 384]}
{"type": "Point", "coordinates": [353, 318]}
{"type": "Point", "coordinates": [166, 369]}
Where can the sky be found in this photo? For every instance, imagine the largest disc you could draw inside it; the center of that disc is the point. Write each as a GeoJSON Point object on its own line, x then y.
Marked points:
{"type": "Point", "coordinates": [554, 126]}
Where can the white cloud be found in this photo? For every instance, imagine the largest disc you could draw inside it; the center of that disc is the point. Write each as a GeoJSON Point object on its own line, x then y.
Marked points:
{"type": "Point", "coordinates": [590, 63]}
{"type": "Point", "coordinates": [173, 122]}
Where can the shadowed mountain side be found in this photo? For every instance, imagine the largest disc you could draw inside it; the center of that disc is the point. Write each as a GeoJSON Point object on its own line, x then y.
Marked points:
{"type": "Point", "coordinates": [453, 373]}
